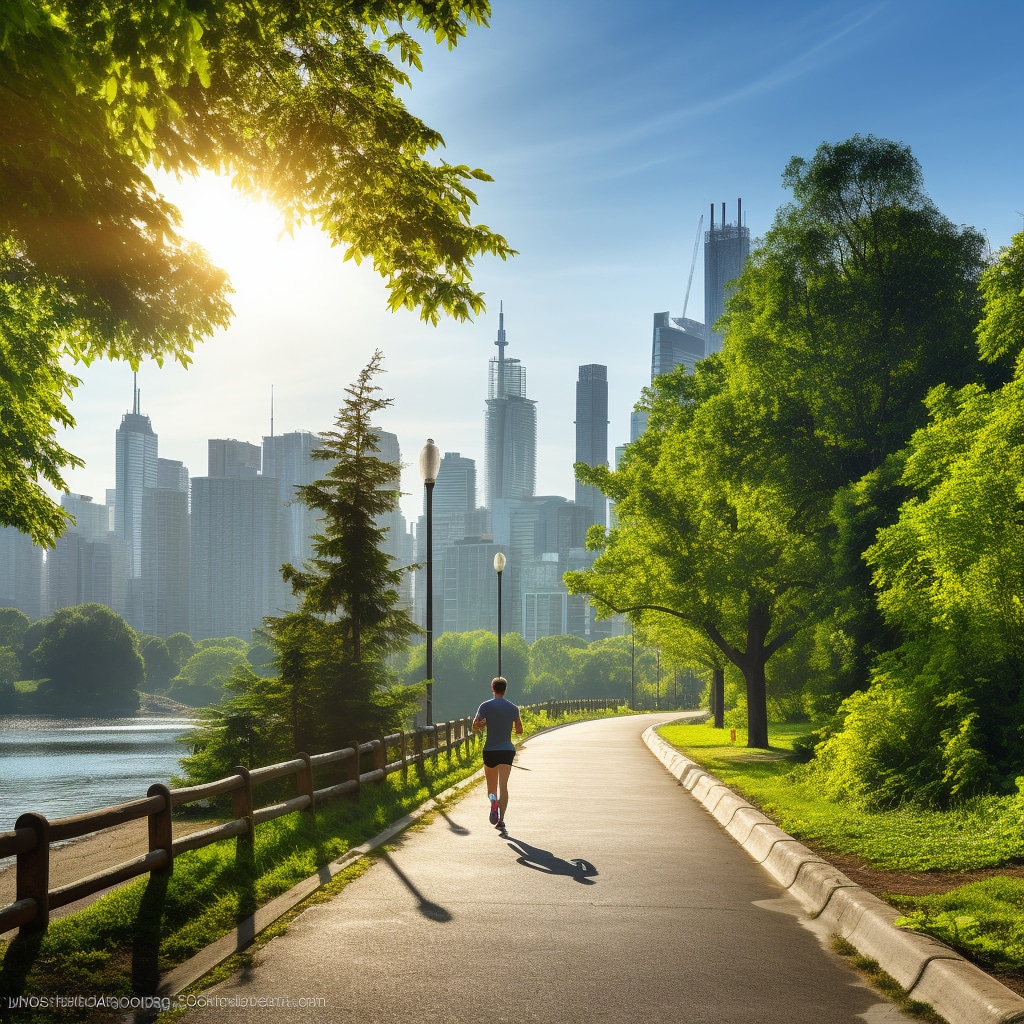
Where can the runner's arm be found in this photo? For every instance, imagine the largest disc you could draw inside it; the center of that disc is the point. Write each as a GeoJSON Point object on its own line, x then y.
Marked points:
{"type": "Point", "coordinates": [519, 726]}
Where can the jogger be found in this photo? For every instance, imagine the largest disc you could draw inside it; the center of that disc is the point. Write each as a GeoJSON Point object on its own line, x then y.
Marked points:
{"type": "Point", "coordinates": [499, 716]}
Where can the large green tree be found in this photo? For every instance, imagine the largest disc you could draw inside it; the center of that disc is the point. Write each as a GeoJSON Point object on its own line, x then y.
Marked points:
{"type": "Point", "coordinates": [944, 715]}
{"type": "Point", "coordinates": [89, 662]}
{"type": "Point", "coordinates": [296, 101]}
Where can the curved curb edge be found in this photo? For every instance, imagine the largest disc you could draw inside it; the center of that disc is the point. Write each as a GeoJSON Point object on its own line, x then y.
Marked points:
{"type": "Point", "coordinates": [927, 969]}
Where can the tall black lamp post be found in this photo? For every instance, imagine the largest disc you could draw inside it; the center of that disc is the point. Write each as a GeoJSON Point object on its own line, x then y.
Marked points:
{"type": "Point", "coordinates": [430, 463]}
{"type": "Point", "coordinates": [657, 692]}
{"type": "Point", "coordinates": [632, 667]}
{"type": "Point", "coordinates": [499, 567]}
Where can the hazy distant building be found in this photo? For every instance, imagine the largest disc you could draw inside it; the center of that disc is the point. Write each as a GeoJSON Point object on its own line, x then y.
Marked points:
{"type": "Point", "coordinates": [88, 562]}
{"type": "Point", "coordinates": [21, 572]}
{"type": "Point", "coordinates": [470, 588]}
{"type": "Point", "coordinates": [726, 249]}
{"type": "Point", "coordinates": [136, 469]}
{"type": "Point", "coordinates": [231, 458]}
{"type": "Point", "coordinates": [399, 543]}
{"type": "Point", "coordinates": [289, 458]}
{"type": "Point", "coordinates": [592, 435]}
{"type": "Point", "coordinates": [166, 551]}
{"type": "Point", "coordinates": [237, 544]}
{"type": "Point", "coordinates": [510, 429]}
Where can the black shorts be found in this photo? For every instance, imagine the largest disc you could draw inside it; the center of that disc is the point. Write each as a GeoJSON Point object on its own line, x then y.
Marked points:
{"type": "Point", "coordinates": [492, 758]}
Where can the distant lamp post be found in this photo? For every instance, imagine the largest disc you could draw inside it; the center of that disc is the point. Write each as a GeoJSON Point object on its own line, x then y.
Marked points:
{"type": "Point", "coordinates": [657, 692]}
{"type": "Point", "coordinates": [499, 567]}
{"type": "Point", "coordinates": [430, 463]}
{"type": "Point", "coordinates": [632, 667]}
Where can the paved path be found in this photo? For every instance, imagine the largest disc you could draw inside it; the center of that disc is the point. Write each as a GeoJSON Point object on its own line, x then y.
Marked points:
{"type": "Point", "coordinates": [614, 897]}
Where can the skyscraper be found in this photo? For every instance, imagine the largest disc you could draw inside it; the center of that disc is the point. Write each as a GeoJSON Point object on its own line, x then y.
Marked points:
{"type": "Point", "coordinates": [592, 434]}
{"type": "Point", "coordinates": [21, 572]}
{"type": "Point", "coordinates": [398, 541]}
{"type": "Point", "coordinates": [288, 458]}
{"type": "Point", "coordinates": [237, 544]}
{"type": "Point", "coordinates": [510, 429]}
{"type": "Point", "coordinates": [88, 561]}
{"type": "Point", "coordinates": [677, 340]}
{"type": "Point", "coordinates": [136, 469]}
{"type": "Point", "coordinates": [166, 551]}
{"type": "Point", "coordinates": [725, 252]}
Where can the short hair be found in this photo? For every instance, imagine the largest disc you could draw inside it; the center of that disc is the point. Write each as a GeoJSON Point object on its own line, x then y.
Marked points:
{"type": "Point", "coordinates": [499, 684]}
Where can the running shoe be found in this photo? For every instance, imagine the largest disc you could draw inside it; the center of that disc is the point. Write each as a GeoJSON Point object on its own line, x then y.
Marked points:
{"type": "Point", "coordinates": [494, 809]}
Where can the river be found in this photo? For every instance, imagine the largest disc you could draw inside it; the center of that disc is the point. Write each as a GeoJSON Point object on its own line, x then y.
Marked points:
{"type": "Point", "coordinates": [63, 766]}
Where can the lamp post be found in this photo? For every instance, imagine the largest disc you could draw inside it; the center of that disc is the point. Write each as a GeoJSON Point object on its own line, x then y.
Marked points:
{"type": "Point", "coordinates": [657, 692]}
{"type": "Point", "coordinates": [632, 667]}
{"type": "Point", "coordinates": [499, 566]}
{"type": "Point", "coordinates": [430, 463]}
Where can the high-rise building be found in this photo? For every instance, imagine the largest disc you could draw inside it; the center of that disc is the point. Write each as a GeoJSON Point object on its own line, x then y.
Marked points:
{"type": "Point", "coordinates": [677, 340]}
{"type": "Point", "coordinates": [166, 551]}
{"type": "Point", "coordinates": [469, 587]}
{"type": "Point", "coordinates": [592, 435]}
{"type": "Point", "coordinates": [398, 541]}
{"type": "Point", "coordinates": [510, 429]}
{"type": "Point", "coordinates": [227, 457]}
{"type": "Point", "coordinates": [88, 562]}
{"type": "Point", "coordinates": [136, 469]}
{"type": "Point", "coordinates": [21, 572]}
{"type": "Point", "coordinates": [288, 458]}
{"type": "Point", "coordinates": [726, 249]}
{"type": "Point", "coordinates": [237, 543]}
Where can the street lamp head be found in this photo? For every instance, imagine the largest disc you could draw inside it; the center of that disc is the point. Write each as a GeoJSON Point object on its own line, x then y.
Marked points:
{"type": "Point", "coordinates": [499, 562]}
{"type": "Point", "coordinates": [430, 461]}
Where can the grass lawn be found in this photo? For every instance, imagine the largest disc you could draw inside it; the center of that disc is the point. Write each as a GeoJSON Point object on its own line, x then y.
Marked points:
{"type": "Point", "coordinates": [983, 919]}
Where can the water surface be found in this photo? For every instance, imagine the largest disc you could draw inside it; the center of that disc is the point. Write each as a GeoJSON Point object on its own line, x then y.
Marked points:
{"type": "Point", "coordinates": [64, 766]}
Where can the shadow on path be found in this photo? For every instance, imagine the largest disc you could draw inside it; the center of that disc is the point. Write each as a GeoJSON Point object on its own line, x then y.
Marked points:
{"type": "Point", "coordinates": [459, 830]}
{"type": "Point", "coordinates": [579, 870]}
{"type": "Point", "coordinates": [430, 910]}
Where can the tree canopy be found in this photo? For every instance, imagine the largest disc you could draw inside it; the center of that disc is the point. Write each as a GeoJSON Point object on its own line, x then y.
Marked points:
{"type": "Point", "coordinates": [297, 102]}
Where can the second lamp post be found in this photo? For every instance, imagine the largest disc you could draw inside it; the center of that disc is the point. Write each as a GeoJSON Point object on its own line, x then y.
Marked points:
{"type": "Point", "coordinates": [430, 463]}
{"type": "Point", "coordinates": [499, 565]}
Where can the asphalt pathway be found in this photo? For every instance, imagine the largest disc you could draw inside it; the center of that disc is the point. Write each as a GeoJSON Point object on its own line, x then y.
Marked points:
{"type": "Point", "coordinates": [613, 896]}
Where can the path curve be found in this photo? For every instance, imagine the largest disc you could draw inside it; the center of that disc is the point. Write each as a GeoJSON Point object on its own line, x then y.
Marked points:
{"type": "Point", "coordinates": [614, 897]}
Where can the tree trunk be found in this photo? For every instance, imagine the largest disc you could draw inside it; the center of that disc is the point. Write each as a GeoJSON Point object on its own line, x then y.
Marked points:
{"type": "Point", "coordinates": [718, 697]}
{"type": "Point", "coordinates": [757, 702]}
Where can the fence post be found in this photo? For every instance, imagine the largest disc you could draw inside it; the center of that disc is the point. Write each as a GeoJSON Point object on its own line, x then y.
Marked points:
{"type": "Point", "coordinates": [352, 765]}
{"type": "Point", "coordinates": [417, 746]}
{"type": "Point", "coordinates": [33, 867]}
{"type": "Point", "coordinates": [435, 735]}
{"type": "Point", "coordinates": [304, 782]}
{"type": "Point", "coordinates": [448, 739]}
{"type": "Point", "coordinates": [380, 756]}
{"type": "Point", "coordinates": [405, 754]}
{"type": "Point", "coordinates": [241, 807]}
{"type": "Point", "coordinates": [160, 833]}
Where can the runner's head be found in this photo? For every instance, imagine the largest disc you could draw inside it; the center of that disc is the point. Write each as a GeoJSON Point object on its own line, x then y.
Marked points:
{"type": "Point", "coordinates": [499, 684]}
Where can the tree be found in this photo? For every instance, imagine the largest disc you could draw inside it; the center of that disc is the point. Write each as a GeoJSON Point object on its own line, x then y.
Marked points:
{"type": "Point", "coordinates": [296, 101]}
{"type": "Point", "coordinates": [160, 666]}
{"type": "Point", "coordinates": [201, 679]}
{"type": "Point", "coordinates": [861, 298]}
{"type": "Point", "coordinates": [89, 661]}
{"type": "Point", "coordinates": [944, 714]}
{"type": "Point", "coordinates": [728, 560]}
{"type": "Point", "coordinates": [334, 648]}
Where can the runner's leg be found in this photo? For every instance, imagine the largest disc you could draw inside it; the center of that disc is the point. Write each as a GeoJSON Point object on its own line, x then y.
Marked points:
{"type": "Point", "coordinates": [504, 771]}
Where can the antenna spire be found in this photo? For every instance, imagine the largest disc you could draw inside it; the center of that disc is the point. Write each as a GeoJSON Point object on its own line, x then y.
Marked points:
{"type": "Point", "coordinates": [271, 410]}
{"type": "Point", "coordinates": [135, 392]}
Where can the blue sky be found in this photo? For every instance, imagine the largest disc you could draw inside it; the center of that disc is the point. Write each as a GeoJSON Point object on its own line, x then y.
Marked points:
{"type": "Point", "coordinates": [609, 129]}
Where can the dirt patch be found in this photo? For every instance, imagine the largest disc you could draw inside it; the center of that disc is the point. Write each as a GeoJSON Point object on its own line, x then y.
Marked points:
{"type": "Point", "coordinates": [80, 858]}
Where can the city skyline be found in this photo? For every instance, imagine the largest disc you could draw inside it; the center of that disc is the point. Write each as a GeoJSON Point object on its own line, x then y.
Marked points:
{"type": "Point", "coordinates": [604, 159]}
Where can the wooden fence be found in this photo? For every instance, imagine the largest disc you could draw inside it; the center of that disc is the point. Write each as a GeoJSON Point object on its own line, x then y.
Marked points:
{"type": "Point", "coordinates": [33, 834]}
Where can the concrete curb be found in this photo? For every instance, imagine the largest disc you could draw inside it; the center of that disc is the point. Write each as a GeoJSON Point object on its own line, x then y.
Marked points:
{"type": "Point", "coordinates": [927, 969]}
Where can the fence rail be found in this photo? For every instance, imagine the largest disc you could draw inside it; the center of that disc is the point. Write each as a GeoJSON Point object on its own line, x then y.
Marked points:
{"type": "Point", "coordinates": [33, 834]}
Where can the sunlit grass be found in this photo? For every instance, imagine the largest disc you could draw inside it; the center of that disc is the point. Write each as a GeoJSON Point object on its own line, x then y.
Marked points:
{"type": "Point", "coordinates": [979, 833]}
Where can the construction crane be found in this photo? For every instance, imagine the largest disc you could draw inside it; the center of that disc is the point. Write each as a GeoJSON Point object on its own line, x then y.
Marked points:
{"type": "Point", "coordinates": [693, 263]}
